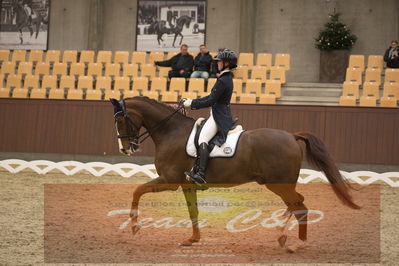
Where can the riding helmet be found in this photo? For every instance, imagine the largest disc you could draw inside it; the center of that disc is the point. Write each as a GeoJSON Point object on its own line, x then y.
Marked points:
{"type": "Point", "coordinates": [228, 56]}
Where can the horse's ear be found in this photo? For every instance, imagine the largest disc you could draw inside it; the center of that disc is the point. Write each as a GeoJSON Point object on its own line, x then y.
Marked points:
{"type": "Point", "coordinates": [115, 103]}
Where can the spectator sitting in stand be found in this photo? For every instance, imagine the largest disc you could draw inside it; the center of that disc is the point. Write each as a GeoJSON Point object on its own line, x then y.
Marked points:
{"type": "Point", "coordinates": [182, 63]}
{"type": "Point", "coordinates": [391, 56]}
{"type": "Point", "coordinates": [214, 67]}
{"type": "Point", "coordinates": [202, 64]}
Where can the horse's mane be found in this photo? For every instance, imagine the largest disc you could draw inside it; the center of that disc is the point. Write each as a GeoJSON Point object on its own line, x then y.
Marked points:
{"type": "Point", "coordinates": [155, 102]}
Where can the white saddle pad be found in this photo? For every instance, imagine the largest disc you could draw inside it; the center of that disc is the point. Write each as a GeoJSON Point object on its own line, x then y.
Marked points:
{"type": "Point", "coordinates": [228, 149]}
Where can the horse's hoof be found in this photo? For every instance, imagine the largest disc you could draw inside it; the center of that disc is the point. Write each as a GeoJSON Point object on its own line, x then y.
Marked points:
{"type": "Point", "coordinates": [295, 247]}
{"type": "Point", "coordinates": [188, 242]}
{"type": "Point", "coordinates": [281, 240]}
{"type": "Point", "coordinates": [135, 228]}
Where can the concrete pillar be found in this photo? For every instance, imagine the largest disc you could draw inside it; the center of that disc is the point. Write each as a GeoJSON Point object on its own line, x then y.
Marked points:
{"type": "Point", "coordinates": [247, 25]}
{"type": "Point", "coordinates": [95, 36]}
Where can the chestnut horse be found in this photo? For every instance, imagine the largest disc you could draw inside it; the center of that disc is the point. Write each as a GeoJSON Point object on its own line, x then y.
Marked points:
{"type": "Point", "coordinates": [267, 156]}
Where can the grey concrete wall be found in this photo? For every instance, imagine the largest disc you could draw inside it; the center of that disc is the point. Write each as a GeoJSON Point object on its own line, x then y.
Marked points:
{"type": "Point", "coordinates": [275, 26]}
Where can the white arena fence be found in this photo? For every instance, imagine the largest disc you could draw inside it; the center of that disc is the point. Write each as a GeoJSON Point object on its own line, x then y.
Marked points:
{"type": "Point", "coordinates": [127, 170]}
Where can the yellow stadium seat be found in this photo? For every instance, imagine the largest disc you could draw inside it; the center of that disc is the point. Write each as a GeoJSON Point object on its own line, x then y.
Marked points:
{"type": "Point", "coordinates": [86, 56]}
{"type": "Point", "coordinates": [67, 82]}
{"type": "Point", "coordinates": [371, 89]}
{"type": "Point", "coordinates": [14, 80]}
{"type": "Point", "coordinates": [25, 68]}
{"type": "Point", "coordinates": [189, 95]}
{"type": "Point", "coordinates": [140, 83]}
{"type": "Point", "coordinates": [4, 55]}
{"type": "Point", "coordinates": [104, 57]}
{"type": "Point", "coordinates": [169, 96]}
{"type": "Point", "coordinates": [95, 69]}
{"type": "Point", "coordinates": [350, 88]}
{"type": "Point", "coordinates": [347, 100]}
{"type": "Point", "coordinates": [273, 87]}
{"type": "Point", "coordinates": [237, 86]}
{"type": "Point", "coordinates": [156, 56]}
{"type": "Point", "coordinates": [283, 60]}
{"type": "Point", "coordinates": [148, 70]}
{"type": "Point", "coordinates": [368, 101]}
{"type": "Point", "coordinates": [139, 58]}
{"type": "Point", "coordinates": [152, 94]}
{"type": "Point", "coordinates": [163, 72]}
{"type": "Point", "coordinates": [392, 75]}
{"type": "Point", "coordinates": [19, 56]}
{"type": "Point", "coordinates": [4, 92]}
{"type": "Point", "coordinates": [375, 62]}
{"type": "Point", "coordinates": [213, 54]}
{"type": "Point", "coordinates": [159, 84]}
{"type": "Point", "coordinates": [177, 84]}
{"type": "Point", "coordinates": [171, 54]}
{"type": "Point", "coordinates": [77, 69]}
{"type": "Point", "coordinates": [247, 98]}
{"type": "Point", "coordinates": [356, 61]}
{"type": "Point", "coordinates": [112, 70]}
{"type": "Point", "coordinates": [60, 69]}
{"type": "Point", "coordinates": [103, 83]}
{"type": "Point", "coordinates": [246, 59]}
{"type": "Point", "coordinates": [85, 82]}
{"type": "Point", "coordinates": [253, 86]}
{"type": "Point", "coordinates": [1, 79]}
{"type": "Point", "coordinates": [122, 83]}
{"type": "Point", "coordinates": [38, 93]}
{"type": "Point", "coordinates": [277, 73]}
{"type": "Point", "coordinates": [31, 81]}
{"type": "Point", "coordinates": [267, 99]}
{"type": "Point", "coordinates": [70, 56]}
{"type": "Point", "coordinates": [196, 85]}
{"type": "Point", "coordinates": [36, 56]}
{"type": "Point", "coordinates": [121, 57]}
{"type": "Point", "coordinates": [264, 59]}
{"type": "Point", "coordinates": [42, 68]}
{"type": "Point", "coordinates": [389, 101]}
{"type": "Point", "coordinates": [130, 93]}
{"type": "Point", "coordinates": [53, 56]}
{"type": "Point", "coordinates": [373, 75]}
{"type": "Point", "coordinates": [259, 72]}
{"type": "Point", "coordinates": [354, 75]}
{"type": "Point", "coordinates": [8, 67]}
{"type": "Point", "coordinates": [75, 94]}
{"type": "Point", "coordinates": [211, 83]}
{"type": "Point", "coordinates": [56, 94]}
{"type": "Point", "coordinates": [391, 88]}
{"type": "Point", "coordinates": [20, 93]}
{"type": "Point", "coordinates": [241, 72]}
{"type": "Point", "coordinates": [130, 70]}
{"type": "Point", "coordinates": [112, 94]}
{"type": "Point", "coordinates": [49, 82]}
{"type": "Point", "coordinates": [93, 95]}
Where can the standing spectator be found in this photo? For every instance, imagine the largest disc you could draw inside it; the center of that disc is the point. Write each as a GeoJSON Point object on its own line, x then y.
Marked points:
{"type": "Point", "coordinates": [202, 64]}
{"type": "Point", "coordinates": [391, 56]}
{"type": "Point", "coordinates": [215, 71]}
{"type": "Point", "coordinates": [182, 63]}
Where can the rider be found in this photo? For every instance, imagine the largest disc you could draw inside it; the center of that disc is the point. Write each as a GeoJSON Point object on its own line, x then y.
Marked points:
{"type": "Point", "coordinates": [220, 119]}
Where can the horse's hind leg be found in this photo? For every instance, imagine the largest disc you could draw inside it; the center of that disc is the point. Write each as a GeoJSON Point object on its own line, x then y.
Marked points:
{"type": "Point", "coordinates": [21, 36]}
{"type": "Point", "coordinates": [295, 205]}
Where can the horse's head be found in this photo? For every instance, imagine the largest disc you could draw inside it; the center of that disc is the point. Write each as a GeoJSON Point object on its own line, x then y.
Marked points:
{"type": "Point", "coordinates": [186, 20]}
{"type": "Point", "coordinates": [128, 126]}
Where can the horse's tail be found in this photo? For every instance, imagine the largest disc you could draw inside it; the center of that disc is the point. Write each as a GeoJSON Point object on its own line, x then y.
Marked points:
{"type": "Point", "coordinates": [318, 157]}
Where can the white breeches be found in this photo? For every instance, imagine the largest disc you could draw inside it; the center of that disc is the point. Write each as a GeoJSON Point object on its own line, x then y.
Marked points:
{"type": "Point", "coordinates": [208, 131]}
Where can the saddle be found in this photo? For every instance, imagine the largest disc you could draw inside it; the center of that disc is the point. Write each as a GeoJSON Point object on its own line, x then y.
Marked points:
{"type": "Point", "coordinates": [216, 148]}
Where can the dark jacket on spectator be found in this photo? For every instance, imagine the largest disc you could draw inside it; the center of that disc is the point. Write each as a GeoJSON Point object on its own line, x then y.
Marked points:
{"type": "Point", "coordinates": [203, 62]}
{"type": "Point", "coordinates": [391, 62]}
{"type": "Point", "coordinates": [186, 63]}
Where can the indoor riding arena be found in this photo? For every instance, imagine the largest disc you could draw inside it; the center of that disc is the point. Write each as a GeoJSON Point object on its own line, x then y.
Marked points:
{"type": "Point", "coordinates": [101, 144]}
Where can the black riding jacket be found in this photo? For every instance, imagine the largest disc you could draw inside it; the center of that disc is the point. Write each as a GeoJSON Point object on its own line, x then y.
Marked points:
{"type": "Point", "coordinates": [219, 100]}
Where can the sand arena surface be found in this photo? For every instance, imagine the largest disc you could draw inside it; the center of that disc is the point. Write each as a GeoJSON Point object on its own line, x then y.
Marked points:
{"type": "Point", "coordinates": [96, 237]}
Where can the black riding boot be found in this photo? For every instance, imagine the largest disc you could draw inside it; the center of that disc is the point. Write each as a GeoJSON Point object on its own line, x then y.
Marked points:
{"type": "Point", "coordinates": [199, 176]}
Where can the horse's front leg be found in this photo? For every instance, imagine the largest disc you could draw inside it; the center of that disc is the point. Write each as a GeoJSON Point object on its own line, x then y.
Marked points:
{"type": "Point", "coordinates": [181, 40]}
{"type": "Point", "coordinates": [174, 40]}
{"type": "Point", "coordinates": [157, 185]}
{"type": "Point", "coordinates": [21, 36]}
{"type": "Point", "coordinates": [190, 193]}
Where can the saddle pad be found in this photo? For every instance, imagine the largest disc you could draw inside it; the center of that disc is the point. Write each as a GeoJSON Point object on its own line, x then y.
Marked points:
{"type": "Point", "coordinates": [228, 149]}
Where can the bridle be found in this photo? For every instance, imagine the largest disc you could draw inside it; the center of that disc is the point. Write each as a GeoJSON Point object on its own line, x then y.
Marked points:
{"type": "Point", "coordinates": [140, 138]}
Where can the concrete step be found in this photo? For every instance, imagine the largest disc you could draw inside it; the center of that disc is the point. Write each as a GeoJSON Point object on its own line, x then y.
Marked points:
{"type": "Point", "coordinates": [322, 92]}
{"type": "Point", "coordinates": [311, 85]}
{"type": "Point", "coordinates": [308, 100]}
